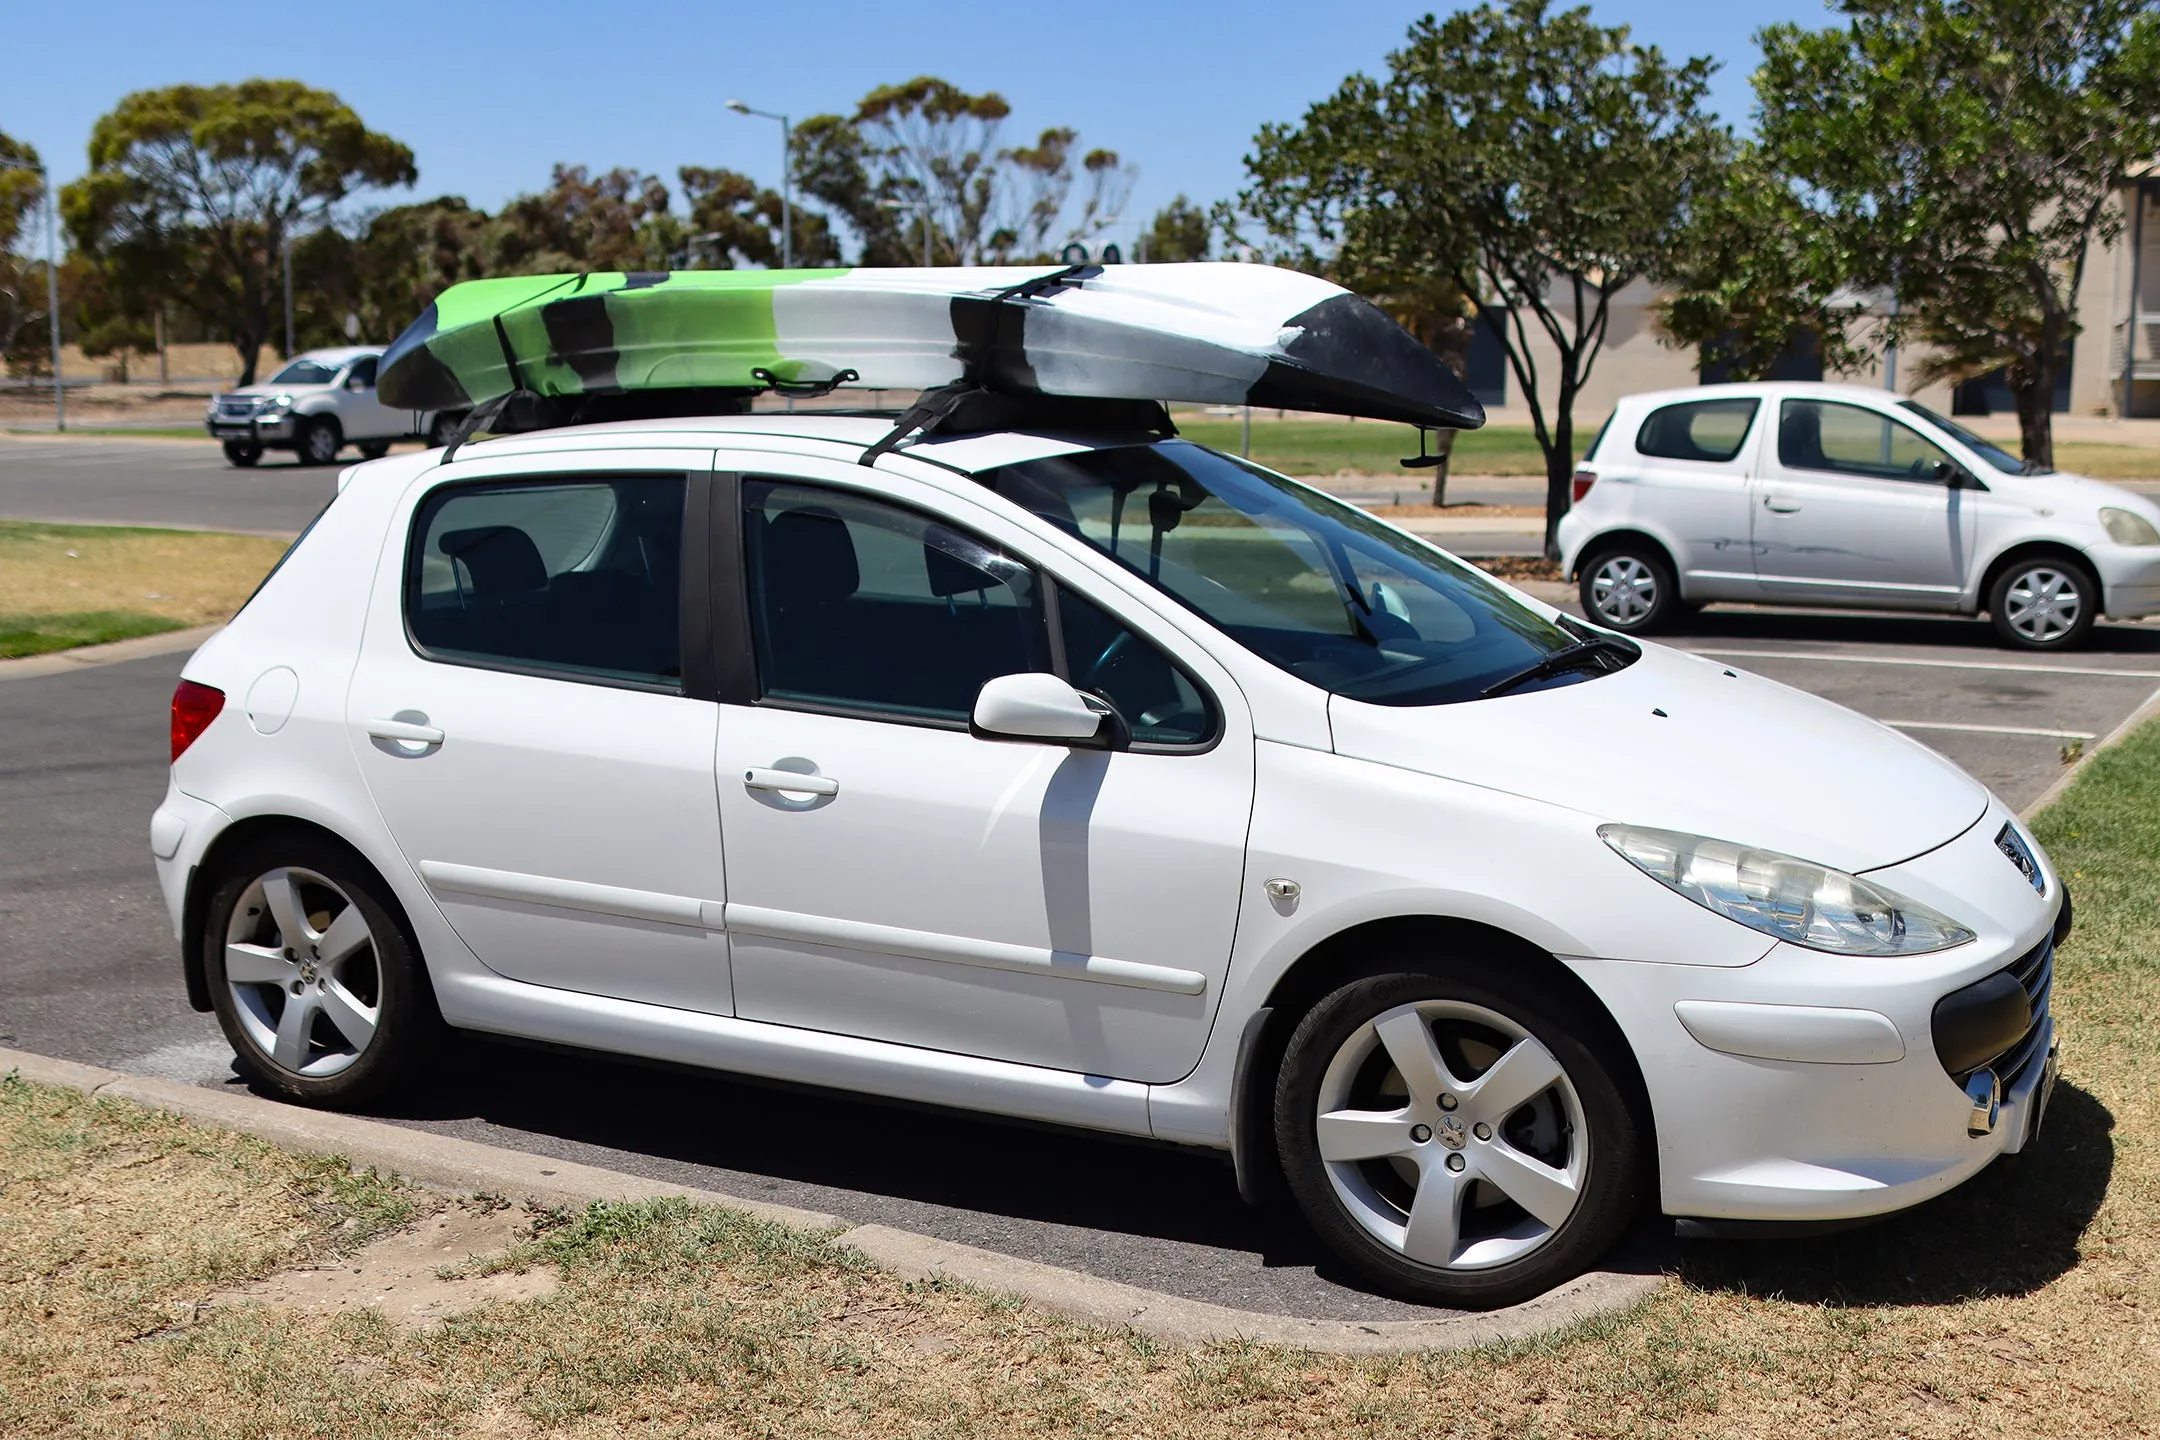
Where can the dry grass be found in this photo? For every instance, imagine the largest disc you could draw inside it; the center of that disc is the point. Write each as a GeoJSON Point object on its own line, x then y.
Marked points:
{"type": "Point", "coordinates": [1458, 512]}
{"type": "Point", "coordinates": [2025, 1304]}
{"type": "Point", "coordinates": [66, 585]}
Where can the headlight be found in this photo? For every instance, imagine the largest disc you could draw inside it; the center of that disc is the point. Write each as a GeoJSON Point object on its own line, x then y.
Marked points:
{"type": "Point", "coordinates": [1794, 900]}
{"type": "Point", "coordinates": [278, 402]}
{"type": "Point", "coordinates": [2127, 527]}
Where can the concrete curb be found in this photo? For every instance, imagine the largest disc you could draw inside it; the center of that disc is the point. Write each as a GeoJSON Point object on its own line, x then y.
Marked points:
{"type": "Point", "coordinates": [2054, 792]}
{"type": "Point", "coordinates": [466, 1167]}
{"type": "Point", "coordinates": [59, 662]}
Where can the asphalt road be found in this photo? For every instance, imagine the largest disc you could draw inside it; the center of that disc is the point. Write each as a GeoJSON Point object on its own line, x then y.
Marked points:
{"type": "Point", "coordinates": [181, 483]}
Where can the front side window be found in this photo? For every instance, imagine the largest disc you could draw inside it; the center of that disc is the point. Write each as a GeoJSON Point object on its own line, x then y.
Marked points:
{"type": "Point", "coordinates": [861, 606]}
{"type": "Point", "coordinates": [575, 577]}
{"type": "Point", "coordinates": [1996, 457]}
{"type": "Point", "coordinates": [363, 373]}
{"type": "Point", "coordinates": [1104, 657]}
{"type": "Point", "coordinates": [1854, 440]}
{"type": "Point", "coordinates": [1707, 430]}
{"type": "Point", "coordinates": [1306, 582]}
{"type": "Point", "coordinates": [305, 372]}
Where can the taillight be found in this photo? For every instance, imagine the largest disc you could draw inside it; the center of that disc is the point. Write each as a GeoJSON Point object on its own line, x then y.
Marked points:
{"type": "Point", "coordinates": [193, 708]}
{"type": "Point", "coordinates": [1584, 479]}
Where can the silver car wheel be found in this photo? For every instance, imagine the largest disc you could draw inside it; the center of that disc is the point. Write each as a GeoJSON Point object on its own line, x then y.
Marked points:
{"type": "Point", "coordinates": [301, 963]}
{"type": "Point", "coordinates": [1623, 590]}
{"type": "Point", "coordinates": [1451, 1135]}
{"type": "Point", "coordinates": [2043, 604]}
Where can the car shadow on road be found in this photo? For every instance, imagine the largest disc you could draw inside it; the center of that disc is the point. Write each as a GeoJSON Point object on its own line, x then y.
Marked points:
{"type": "Point", "coordinates": [1942, 631]}
{"type": "Point", "coordinates": [2010, 1230]}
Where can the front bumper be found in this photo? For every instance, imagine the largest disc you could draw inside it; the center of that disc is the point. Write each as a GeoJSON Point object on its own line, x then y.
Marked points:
{"type": "Point", "coordinates": [1807, 1087]}
{"type": "Point", "coordinates": [258, 430]}
{"type": "Point", "coordinates": [2129, 579]}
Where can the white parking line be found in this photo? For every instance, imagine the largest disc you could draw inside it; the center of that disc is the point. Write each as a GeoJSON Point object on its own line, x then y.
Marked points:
{"type": "Point", "coordinates": [1989, 729]}
{"type": "Point", "coordinates": [1930, 664]}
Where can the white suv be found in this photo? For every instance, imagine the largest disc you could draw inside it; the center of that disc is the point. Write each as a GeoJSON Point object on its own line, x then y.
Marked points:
{"type": "Point", "coordinates": [1105, 780]}
{"type": "Point", "coordinates": [1811, 494]}
{"type": "Point", "coordinates": [318, 403]}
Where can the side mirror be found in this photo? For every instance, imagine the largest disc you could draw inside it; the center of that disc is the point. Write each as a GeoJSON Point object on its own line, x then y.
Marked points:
{"type": "Point", "coordinates": [1954, 476]}
{"type": "Point", "coordinates": [356, 384]}
{"type": "Point", "coordinates": [1042, 707]}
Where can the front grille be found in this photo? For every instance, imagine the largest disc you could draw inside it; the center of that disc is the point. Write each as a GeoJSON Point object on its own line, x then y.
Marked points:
{"type": "Point", "coordinates": [2035, 972]}
{"type": "Point", "coordinates": [240, 409]}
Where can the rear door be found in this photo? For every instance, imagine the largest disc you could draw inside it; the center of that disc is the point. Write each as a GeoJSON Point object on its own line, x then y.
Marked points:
{"type": "Point", "coordinates": [1693, 483]}
{"type": "Point", "coordinates": [524, 721]}
{"type": "Point", "coordinates": [1850, 508]}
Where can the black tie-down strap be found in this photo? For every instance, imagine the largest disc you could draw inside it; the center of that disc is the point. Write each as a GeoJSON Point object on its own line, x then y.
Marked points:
{"type": "Point", "coordinates": [929, 411]}
{"type": "Point", "coordinates": [479, 418]}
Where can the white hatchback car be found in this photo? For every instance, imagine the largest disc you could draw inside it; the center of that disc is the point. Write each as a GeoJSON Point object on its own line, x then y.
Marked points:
{"type": "Point", "coordinates": [1812, 494]}
{"type": "Point", "coordinates": [1108, 781]}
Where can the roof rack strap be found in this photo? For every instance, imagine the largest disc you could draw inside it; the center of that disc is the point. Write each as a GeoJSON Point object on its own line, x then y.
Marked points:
{"type": "Point", "coordinates": [927, 412]}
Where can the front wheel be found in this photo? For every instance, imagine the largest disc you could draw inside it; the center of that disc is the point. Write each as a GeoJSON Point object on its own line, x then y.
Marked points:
{"type": "Point", "coordinates": [2044, 604]}
{"type": "Point", "coordinates": [315, 980]}
{"type": "Point", "coordinates": [1629, 588]}
{"type": "Point", "coordinates": [241, 453]}
{"type": "Point", "coordinates": [374, 449]}
{"type": "Point", "coordinates": [319, 440]}
{"type": "Point", "coordinates": [1459, 1136]}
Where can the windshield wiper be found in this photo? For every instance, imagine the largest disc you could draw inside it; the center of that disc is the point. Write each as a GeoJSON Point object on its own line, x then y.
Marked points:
{"type": "Point", "coordinates": [1572, 657]}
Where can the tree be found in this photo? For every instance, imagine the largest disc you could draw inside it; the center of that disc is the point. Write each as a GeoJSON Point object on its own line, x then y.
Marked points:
{"type": "Point", "coordinates": [1963, 155]}
{"type": "Point", "coordinates": [733, 223]}
{"type": "Point", "coordinates": [1180, 231]}
{"type": "Point", "coordinates": [194, 191]}
{"type": "Point", "coordinates": [930, 143]}
{"type": "Point", "coordinates": [1539, 162]}
{"type": "Point", "coordinates": [22, 286]}
{"type": "Point", "coordinates": [618, 220]}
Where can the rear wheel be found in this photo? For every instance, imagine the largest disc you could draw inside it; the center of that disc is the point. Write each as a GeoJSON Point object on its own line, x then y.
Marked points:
{"type": "Point", "coordinates": [241, 453]}
{"type": "Point", "coordinates": [319, 440]}
{"type": "Point", "coordinates": [374, 449]}
{"type": "Point", "coordinates": [1629, 588]}
{"type": "Point", "coordinates": [2045, 603]}
{"type": "Point", "coordinates": [318, 986]}
{"type": "Point", "coordinates": [1459, 1137]}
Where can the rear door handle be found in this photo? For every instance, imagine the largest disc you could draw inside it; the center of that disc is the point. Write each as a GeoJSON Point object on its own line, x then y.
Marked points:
{"type": "Point", "coordinates": [1780, 504]}
{"type": "Point", "coordinates": [405, 732]}
{"type": "Point", "coordinates": [792, 781]}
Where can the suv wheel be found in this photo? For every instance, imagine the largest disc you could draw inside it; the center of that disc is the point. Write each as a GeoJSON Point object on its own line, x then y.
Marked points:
{"type": "Point", "coordinates": [318, 986]}
{"type": "Point", "coordinates": [241, 453]}
{"type": "Point", "coordinates": [319, 440]}
{"type": "Point", "coordinates": [2044, 604]}
{"type": "Point", "coordinates": [1459, 1137]}
{"type": "Point", "coordinates": [1629, 588]}
{"type": "Point", "coordinates": [374, 449]}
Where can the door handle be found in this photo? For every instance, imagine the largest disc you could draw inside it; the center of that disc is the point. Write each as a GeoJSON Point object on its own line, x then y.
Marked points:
{"type": "Point", "coordinates": [405, 732]}
{"type": "Point", "coordinates": [792, 781]}
{"type": "Point", "coordinates": [1780, 504]}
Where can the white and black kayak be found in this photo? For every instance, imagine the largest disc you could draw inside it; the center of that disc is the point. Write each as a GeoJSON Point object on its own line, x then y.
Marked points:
{"type": "Point", "coordinates": [1199, 333]}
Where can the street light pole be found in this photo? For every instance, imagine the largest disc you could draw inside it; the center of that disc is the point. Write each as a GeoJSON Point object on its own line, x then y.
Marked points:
{"type": "Point", "coordinates": [52, 297]}
{"type": "Point", "coordinates": [285, 247]}
{"type": "Point", "coordinates": [787, 179]}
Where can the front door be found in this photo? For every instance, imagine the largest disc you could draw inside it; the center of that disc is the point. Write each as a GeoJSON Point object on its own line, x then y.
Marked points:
{"type": "Point", "coordinates": [362, 413]}
{"type": "Point", "coordinates": [519, 715]}
{"type": "Point", "coordinates": [1850, 507]}
{"type": "Point", "coordinates": [893, 877]}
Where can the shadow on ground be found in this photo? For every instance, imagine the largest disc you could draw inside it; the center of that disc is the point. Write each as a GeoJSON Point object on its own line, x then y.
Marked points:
{"type": "Point", "coordinates": [2009, 1231]}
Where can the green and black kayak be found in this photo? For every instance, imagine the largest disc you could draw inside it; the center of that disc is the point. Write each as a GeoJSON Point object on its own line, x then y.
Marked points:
{"type": "Point", "coordinates": [1201, 333]}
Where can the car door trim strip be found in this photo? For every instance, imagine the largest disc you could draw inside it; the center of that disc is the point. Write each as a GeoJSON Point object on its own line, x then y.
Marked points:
{"type": "Point", "coordinates": [615, 900]}
{"type": "Point", "coordinates": [960, 950]}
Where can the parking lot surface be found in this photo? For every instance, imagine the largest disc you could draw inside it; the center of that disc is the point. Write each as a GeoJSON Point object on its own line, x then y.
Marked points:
{"type": "Point", "coordinates": [181, 483]}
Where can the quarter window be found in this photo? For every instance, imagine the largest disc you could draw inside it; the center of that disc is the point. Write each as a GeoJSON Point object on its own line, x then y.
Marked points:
{"type": "Point", "coordinates": [1160, 702]}
{"type": "Point", "coordinates": [1853, 440]}
{"type": "Point", "coordinates": [1707, 430]}
{"type": "Point", "coordinates": [576, 577]}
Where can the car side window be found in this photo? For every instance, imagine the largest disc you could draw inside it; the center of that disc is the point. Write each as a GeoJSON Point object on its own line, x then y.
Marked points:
{"type": "Point", "coordinates": [862, 606]}
{"type": "Point", "coordinates": [1853, 440]}
{"type": "Point", "coordinates": [1706, 430]}
{"type": "Point", "coordinates": [576, 577]}
{"type": "Point", "coordinates": [363, 373]}
{"type": "Point", "coordinates": [1163, 706]}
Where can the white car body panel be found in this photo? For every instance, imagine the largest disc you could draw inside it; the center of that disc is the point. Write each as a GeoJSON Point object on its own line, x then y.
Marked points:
{"type": "Point", "coordinates": [360, 414]}
{"type": "Point", "coordinates": [564, 885]}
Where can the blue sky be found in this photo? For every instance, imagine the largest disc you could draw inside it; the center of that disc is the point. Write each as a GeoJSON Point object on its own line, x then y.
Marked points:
{"type": "Point", "coordinates": [490, 95]}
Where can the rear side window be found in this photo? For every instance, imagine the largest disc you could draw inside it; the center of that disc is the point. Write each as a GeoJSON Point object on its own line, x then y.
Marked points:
{"type": "Point", "coordinates": [580, 578]}
{"type": "Point", "coordinates": [1706, 430]}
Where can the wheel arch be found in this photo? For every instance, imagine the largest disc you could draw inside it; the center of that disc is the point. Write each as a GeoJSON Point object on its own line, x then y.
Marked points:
{"type": "Point", "coordinates": [203, 876]}
{"type": "Point", "coordinates": [2061, 550]}
{"type": "Point", "coordinates": [1606, 540]}
{"type": "Point", "coordinates": [1337, 959]}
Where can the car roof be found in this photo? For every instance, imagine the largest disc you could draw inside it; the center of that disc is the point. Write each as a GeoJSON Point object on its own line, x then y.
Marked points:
{"type": "Point", "coordinates": [341, 355]}
{"type": "Point", "coordinates": [1768, 390]}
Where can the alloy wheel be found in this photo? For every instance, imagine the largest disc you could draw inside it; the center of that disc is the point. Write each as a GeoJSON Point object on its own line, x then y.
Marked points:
{"type": "Point", "coordinates": [1623, 590]}
{"type": "Point", "coordinates": [304, 972]}
{"type": "Point", "coordinates": [319, 444]}
{"type": "Point", "coordinates": [2043, 604]}
{"type": "Point", "coordinates": [1451, 1135]}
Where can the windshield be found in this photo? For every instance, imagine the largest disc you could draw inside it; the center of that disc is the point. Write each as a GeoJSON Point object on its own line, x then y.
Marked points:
{"type": "Point", "coordinates": [305, 372]}
{"type": "Point", "coordinates": [1302, 580]}
{"type": "Point", "coordinates": [1996, 457]}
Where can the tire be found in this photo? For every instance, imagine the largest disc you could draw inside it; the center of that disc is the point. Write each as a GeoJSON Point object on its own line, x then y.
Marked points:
{"type": "Point", "coordinates": [241, 453]}
{"type": "Point", "coordinates": [1573, 1148]}
{"type": "Point", "coordinates": [319, 440]}
{"type": "Point", "coordinates": [1630, 588]}
{"type": "Point", "coordinates": [374, 449]}
{"type": "Point", "coordinates": [257, 974]}
{"type": "Point", "coordinates": [2044, 602]}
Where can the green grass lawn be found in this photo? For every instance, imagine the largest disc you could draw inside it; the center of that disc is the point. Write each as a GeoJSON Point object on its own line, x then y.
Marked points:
{"type": "Point", "coordinates": [1367, 447]}
{"type": "Point", "coordinates": [67, 585]}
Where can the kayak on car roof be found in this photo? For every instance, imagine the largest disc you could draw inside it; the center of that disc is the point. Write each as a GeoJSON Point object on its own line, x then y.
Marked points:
{"type": "Point", "coordinates": [1209, 333]}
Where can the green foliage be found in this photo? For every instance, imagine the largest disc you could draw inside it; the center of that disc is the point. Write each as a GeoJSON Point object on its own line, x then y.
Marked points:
{"type": "Point", "coordinates": [1536, 161]}
{"type": "Point", "coordinates": [733, 222]}
{"type": "Point", "coordinates": [23, 310]}
{"type": "Point", "coordinates": [195, 190]}
{"type": "Point", "coordinates": [1180, 231]}
{"type": "Point", "coordinates": [22, 187]}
